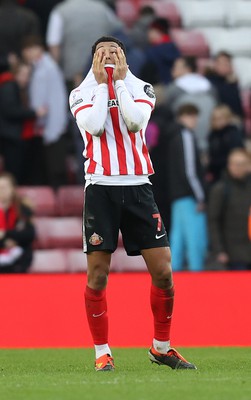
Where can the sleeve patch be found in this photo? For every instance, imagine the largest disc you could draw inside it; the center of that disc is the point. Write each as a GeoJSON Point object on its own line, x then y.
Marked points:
{"type": "Point", "coordinates": [76, 103]}
{"type": "Point", "coordinates": [148, 89]}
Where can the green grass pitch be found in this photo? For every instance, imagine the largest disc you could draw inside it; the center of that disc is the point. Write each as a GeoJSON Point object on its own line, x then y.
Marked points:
{"type": "Point", "coordinates": [57, 374]}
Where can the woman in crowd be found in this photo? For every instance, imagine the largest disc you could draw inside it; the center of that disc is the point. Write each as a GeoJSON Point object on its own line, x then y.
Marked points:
{"type": "Point", "coordinates": [17, 231]}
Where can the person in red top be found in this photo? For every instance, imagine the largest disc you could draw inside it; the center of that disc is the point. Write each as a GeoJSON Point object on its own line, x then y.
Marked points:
{"type": "Point", "coordinates": [160, 54]}
{"type": "Point", "coordinates": [17, 231]}
{"type": "Point", "coordinates": [112, 108]}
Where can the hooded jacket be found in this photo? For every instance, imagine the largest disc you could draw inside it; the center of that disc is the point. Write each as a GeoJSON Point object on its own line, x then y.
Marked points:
{"type": "Point", "coordinates": [194, 89]}
{"type": "Point", "coordinates": [228, 213]}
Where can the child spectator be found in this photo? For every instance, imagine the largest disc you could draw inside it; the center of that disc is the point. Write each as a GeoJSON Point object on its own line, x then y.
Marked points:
{"type": "Point", "coordinates": [16, 229]}
{"type": "Point", "coordinates": [188, 236]}
{"type": "Point", "coordinates": [228, 213]}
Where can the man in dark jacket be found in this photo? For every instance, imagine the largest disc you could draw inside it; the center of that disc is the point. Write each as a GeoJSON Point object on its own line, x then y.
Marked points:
{"type": "Point", "coordinates": [228, 211]}
{"type": "Point", "coordinates": [224, 137]}
{"type": "Point", "coordinates": [225, 81]}
{"type": "Point", "coordinates": [188, 234]}
{"type": "Point", "coordinates": [160, 55]}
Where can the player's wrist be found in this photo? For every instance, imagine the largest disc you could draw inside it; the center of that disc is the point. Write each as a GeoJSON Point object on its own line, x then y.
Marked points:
{"type": "Point", "coordinates": [103, 84]}
{"type": "Point", "coordinates": [119, 82]}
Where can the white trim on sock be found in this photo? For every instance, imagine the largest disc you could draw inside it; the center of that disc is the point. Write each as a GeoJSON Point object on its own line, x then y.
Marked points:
{"type": "Point", "coordinates": [101, 350]}
{"type": "Point", "coordinates": [161, 347]}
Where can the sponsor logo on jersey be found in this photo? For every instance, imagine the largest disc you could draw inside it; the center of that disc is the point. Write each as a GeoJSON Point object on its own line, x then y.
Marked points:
{"type": "Point", "coordinates": [77, 102]}
{"type": "Point", "coordinates": [113, 103]}
{"type": "Point", "coordinates": [95, 239]}
{"type": "Point", "coordinates": [148, 89]}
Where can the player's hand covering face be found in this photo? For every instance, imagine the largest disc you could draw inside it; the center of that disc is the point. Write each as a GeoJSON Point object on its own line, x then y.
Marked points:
{"type": "Point", "coordinates": [109, 53]}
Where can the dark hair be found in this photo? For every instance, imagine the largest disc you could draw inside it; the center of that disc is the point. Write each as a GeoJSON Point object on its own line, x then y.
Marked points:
{"type": "Point", "coordinates": [187, 109]}
{"type": "Point", "coordinates": [4, 64]}
{"type": "Point", "coordinates": [190, 63]}
{"type": "Point", "coordinates": [224, 54]}
{"type": "Point", "coordinates": [108, 39]}
{"type": "Point", "coordinates": [31, 41]}
{"type": "Point", "coordinates": [146, 10]}
{"type": "Point", "coordinates": [161, 24]}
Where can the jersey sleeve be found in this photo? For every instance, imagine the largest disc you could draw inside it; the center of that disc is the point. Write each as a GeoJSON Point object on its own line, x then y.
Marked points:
{"type": "Point", "coordinates": [79, 101]}
{"type": "Point", "coordinates": [144, 93]}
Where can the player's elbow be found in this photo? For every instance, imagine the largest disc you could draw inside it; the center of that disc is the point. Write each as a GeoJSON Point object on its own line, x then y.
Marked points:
{"type": "Point", "coordinates": [97, 132]}
{"type": "Point", "coordinates": [135, 126]}
{"type": "Point", "coordinates": [90, 127]}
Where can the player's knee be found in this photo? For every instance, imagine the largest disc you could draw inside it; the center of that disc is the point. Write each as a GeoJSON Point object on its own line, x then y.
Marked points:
{"type": "Point", "coordinates": [162, 276]}
{"type": "Point", "coordinates": [98, 276]}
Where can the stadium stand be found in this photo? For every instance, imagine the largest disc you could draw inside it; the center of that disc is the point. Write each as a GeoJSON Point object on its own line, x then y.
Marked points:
{"type": "Point", "coordinates": [239, 13]}
{"type": "Point", "coordinates": [233, 40]}
{"type": "Point", "coordinates": [58, 232]}
{"type": "Point", "coordinates": [243, 69]}
{"type": "Point", "coordinates": [49, 261]}
{"type": "Point", "coordinates": [70, 200]}
{"type": "Point", "coordinates": [196, 13]}
{"type": "Point", "coordinates": [128, 10]}
{"type": "Point", "coordinates": [190, 43]}
{"type": "Point", "coordinates": [75, 260]}
{"type": "Point", "coordinates": [122, 262]}
{"type": "Point", "coordinates": [41, 198]}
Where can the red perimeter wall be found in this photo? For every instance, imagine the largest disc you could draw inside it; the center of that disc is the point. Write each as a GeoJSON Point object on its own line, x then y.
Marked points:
{"type": "Point", "coordinates": [211, 308]}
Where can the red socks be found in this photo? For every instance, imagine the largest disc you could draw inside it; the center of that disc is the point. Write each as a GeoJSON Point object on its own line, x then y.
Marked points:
{"type": "Point", "coordinates": [162, 308]}
{"type": "Point", "coordinates": [96, 310]}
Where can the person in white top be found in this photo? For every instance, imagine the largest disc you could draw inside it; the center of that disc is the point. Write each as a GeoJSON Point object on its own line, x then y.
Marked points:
{"type": "Point", "coordinates": [112, 108]}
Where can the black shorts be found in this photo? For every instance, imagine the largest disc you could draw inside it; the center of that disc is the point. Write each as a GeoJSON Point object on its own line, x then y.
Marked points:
{"type": "Point", "coordinates": [131, 209]}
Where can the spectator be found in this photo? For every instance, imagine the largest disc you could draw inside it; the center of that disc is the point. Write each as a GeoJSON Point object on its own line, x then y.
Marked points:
{"type": "Point", "coordinates": [224, 137]}
{"type": "Point", "coordinates": [32, 168]}
{"type": "Point", "coordinates": [138, 32]}
{"type": "Point", "coordinates": [160, 54]}
{"type": "Point", "coordinates": [13, 116]}
{"type": "Point", "coordinates": [16, 229]}
{"type": "Point", "coordinates": [188, 236]}
{"type": "Point", "coordinates": [47, 89]}
{"type": "Point", "coordinates": [225, 81]}
{"type": "Point", "coordinates": [15, 23]}
{"type": "Point", "coordinates": [228, 213]}
{"type": "Point", "coordinates": [157, 135]}
{"type": "Point", "coordinates": [42, 9]}
{"type": "Point", "coordinates": [73, 25]}
{"type": "Point", "coordinates": [190, 87]}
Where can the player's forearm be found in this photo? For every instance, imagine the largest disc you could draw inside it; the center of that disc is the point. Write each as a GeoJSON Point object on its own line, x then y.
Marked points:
{"type": "Point", "coordinates": [135, 115]}
{"type": "Point", "coordinates": [92, 119]}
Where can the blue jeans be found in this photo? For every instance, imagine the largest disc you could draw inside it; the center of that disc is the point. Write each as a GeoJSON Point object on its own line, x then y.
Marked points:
{"type": "Point", "coordinates": [188, 236]}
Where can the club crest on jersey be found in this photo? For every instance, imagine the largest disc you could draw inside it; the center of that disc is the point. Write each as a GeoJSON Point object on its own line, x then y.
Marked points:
{"type": "Point", "coordinates": [95, 239]}
{"type": "Point", "coordinates": [113, 103]}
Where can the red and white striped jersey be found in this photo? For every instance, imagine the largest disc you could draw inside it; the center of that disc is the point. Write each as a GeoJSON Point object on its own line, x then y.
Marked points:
{"type": "Point", "coordinates": [117, 150]}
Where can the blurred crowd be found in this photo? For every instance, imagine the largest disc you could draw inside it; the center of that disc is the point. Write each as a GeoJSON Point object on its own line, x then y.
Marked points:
{"type": "Point", "coordinates": [196, 136]}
